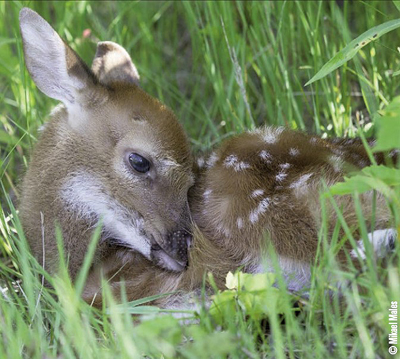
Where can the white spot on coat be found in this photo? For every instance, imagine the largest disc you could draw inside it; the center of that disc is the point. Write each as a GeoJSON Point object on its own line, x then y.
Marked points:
{"type": "Point", "coordinates": [271, 135]}
{"type": "Point", "coordinates": [233, 161]}
{"type": "Point", "coordinates": [253, 217]}
{"type": "Point", "coordinates": [212, 160]}
{"type": "Point", "coordinates": [337, 151]}
{"type": "Point", "coordinates": [261, 208]}
{"type": "Point", "coordinates": [207, 193]}
{"type": "Point", "coordinates": [281, 176]}
{"type": "Point", "coordinates": [294, 151]}
{"type": "Point", "coordinates": [302, 180]}
{"type": "Point", "coordinates": [257, 193]}
{"type": "Point", "coordinates": [336, 162]}
{"type": "Point", "coordinates": [223, 230]}
{"type": "Point", "coordinates": [266, 156]}
{"type": "Point", "coordinates": [264, 204]}
{"type": "Point", "coordinates": [230, 161]}
{"type": "Point", "coordinates": [285, 166]}
{"type": "Point", "coordinates": [201, 162]}
{"type": "Point", "coordinates": [239, 223]}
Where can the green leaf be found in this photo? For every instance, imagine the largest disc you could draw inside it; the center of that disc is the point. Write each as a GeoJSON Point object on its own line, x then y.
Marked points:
{"type": "Point", "coordinates": [348, 52]}
{"type": "Point", "coordinates": [253, 293]}
{"type": "Point", "coordinates": [397, 4]}
{"type": "Point", "coordinates": [388, 135]}
{"type": "Point", "coordinates": [260, 281]}
{"type": "Point", "coordinates": [379, 178]}
{"type": "Point", "coordinates": [223, 305]}
{"type": "Point", "coordinates": [159, 336]}
{"type": "Point", "coordinates": [350, 185]}
{"type": "Point", "coordinates": [249, 282]}
{"type": "Point", "coordinates": [205, 345]}
{"type": "Point", "coordinates": [158, 326]}
{"type": "Point", "coordinates": [391, 176]}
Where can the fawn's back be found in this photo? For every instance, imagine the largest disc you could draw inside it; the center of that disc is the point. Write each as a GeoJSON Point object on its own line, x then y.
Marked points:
{"type": "Point", "coordinates": [263, 187]}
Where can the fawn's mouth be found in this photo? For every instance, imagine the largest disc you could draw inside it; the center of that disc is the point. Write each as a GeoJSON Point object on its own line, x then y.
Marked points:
{"type": "Point", "coordinates": [173, 254]}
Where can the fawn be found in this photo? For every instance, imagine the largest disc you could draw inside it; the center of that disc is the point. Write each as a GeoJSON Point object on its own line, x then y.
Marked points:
{"type": "Point", "coordinates": [113, 154]}
{"type": "Point", "coordinates": [259, 187]}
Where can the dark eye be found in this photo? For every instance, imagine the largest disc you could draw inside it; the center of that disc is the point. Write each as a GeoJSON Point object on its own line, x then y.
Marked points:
{"type": "Point", "coordinates": [139, 163]}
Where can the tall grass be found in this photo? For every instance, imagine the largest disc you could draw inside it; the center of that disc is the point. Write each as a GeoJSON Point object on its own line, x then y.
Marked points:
{"type": "Point", "coordinates": [223, 67]}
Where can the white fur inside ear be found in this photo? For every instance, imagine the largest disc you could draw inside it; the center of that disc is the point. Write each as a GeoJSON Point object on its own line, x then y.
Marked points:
{"type": "Point", "coordinates": [112, 63]}
{"type": "Point", "coordinates": [45, 58]}
{"type": "Point", "coordinates": [86, 197]}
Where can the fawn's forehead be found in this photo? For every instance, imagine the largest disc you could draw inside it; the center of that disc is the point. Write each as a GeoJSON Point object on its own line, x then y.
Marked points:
{"type": "Point", "coordinates": [146, 122]}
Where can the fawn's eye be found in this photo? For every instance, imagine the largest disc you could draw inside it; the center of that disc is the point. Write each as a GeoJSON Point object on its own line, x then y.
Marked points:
{"type": "Point", "coordinates": [139, 163]}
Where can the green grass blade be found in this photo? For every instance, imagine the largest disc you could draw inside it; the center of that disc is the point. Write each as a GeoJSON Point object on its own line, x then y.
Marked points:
{"type": "Point", "coordinates": [348, 52]}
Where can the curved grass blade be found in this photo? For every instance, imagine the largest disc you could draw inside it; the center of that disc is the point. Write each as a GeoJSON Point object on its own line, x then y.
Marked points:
{"type": "Point", "coordinates": [348, 52]}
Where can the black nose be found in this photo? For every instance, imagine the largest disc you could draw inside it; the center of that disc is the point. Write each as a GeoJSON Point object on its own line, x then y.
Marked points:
{"type": "Point", "coordinates": [172, 254]}
{"type": "Point", "coordinates": [176, 245]}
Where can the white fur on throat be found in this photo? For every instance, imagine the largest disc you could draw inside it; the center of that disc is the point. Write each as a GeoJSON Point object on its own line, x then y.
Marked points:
{"type": "Point", "coordinates": [84, 195]}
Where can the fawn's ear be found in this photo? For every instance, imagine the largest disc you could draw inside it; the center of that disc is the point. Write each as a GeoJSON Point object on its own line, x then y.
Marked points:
{"type": "Point", "coordinates": [113, 64]}
{"type": "Point", "coordinates": [55, 68]}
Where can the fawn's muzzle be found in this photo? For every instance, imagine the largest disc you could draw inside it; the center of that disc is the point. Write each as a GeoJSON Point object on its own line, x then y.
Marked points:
{"type": "Point", "coordinates": [173, 254]}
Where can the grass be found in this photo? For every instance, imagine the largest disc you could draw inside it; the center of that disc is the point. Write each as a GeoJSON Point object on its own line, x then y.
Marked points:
{"type": "Point", "coordinates": [223, 67]}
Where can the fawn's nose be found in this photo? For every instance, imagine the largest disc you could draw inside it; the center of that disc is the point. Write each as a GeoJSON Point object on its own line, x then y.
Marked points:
{"type": "Point", "coordinates": [173, 253]}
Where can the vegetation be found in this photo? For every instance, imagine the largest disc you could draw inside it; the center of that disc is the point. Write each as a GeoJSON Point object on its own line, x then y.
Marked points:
{"type": "Point", "coordinates": [223, 67]}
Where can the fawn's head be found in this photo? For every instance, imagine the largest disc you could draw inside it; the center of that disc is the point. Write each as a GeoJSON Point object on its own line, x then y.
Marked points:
{"type": "Point", "coordinates": [129, 162]}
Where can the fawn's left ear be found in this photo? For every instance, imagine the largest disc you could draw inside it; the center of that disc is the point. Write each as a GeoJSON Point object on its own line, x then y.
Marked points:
{"type": "Point", "coordinates": [112, 64]}
{"type": "Point", "coordinates": [54, 67]}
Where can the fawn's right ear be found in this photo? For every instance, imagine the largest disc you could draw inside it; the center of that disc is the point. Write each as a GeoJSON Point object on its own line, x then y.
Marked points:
{"type": "Point", "coordinates": [113, 64]}
{"type": "Point", "coordinates": [55, 68]}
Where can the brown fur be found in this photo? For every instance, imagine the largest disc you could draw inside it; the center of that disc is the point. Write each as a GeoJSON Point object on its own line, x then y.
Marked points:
{"type": "Point", "coordinates": [91, 136]}
{"type": "Point", "coordinates": [291, 223]}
